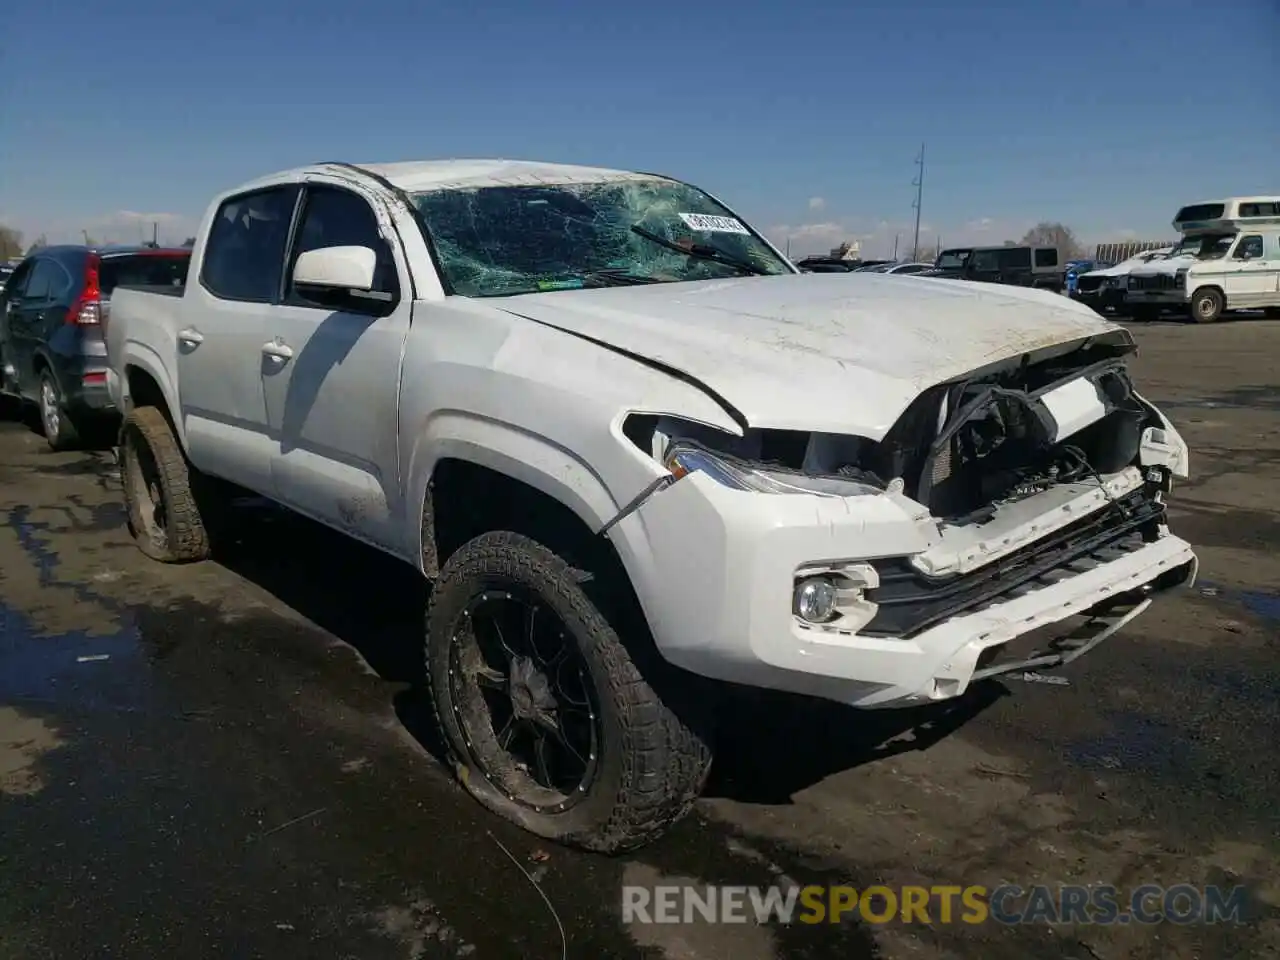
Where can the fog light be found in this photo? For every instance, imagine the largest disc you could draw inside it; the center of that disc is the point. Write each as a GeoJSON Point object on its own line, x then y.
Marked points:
{"type": "Point", "coordinates": [815, 599]}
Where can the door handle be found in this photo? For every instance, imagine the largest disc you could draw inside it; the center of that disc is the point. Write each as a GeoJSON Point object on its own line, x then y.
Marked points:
{"type": "Point", "coordinates": [191, 337]}
{"type": "Point", "coordinates": [277, 350]}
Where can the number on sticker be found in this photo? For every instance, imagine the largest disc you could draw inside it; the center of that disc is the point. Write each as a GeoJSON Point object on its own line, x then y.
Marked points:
{"type": "Point", "coordinates": [712, 224]}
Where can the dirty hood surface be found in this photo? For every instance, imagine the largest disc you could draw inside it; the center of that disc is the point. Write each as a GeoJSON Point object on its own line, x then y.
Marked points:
{"type": "Point", "coordinates": [835, 353]}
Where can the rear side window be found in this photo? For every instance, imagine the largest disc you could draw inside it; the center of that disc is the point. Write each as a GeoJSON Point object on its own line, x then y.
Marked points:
{"type": "Point", "coordinates": [48, 281]}
{"type": "Point", "coordinates": [244, 255]}
{"type": "Point", "coordinates": [144, 270]}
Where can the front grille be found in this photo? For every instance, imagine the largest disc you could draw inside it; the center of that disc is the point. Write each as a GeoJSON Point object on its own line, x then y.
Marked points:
{"type": "Point", "coordinates": [1161, 281]}
{"type": "Point", "coordinates": [1089, 284]}
{"type": "Point", "coordinates": [910, 602]}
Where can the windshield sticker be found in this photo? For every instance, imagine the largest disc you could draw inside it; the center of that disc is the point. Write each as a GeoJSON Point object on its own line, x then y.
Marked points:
{"type": "Point", "coordinates": [572, 284]}
{"type": "Point", "coordinates": [709, 224]}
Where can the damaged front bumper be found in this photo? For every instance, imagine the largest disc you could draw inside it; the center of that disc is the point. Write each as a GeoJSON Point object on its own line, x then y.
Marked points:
{"type": "Point", "coordinates": [724, 591]}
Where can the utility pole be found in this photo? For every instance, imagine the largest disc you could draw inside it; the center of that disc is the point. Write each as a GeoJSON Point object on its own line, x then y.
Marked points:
{"type": "Point", "coordinates": [895, 246]}
{"type": "Point", "coordinates": [788, 248]}
{"type": "Point", "coordinates": [154, 228]}
{"type": "Point", "coordinates": [918, 183]}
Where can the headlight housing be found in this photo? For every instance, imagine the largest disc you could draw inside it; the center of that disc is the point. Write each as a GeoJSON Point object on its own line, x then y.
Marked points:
{"type": "Point", "coordinates": [684, 457]}
{"type": "Point", "coordinates": [1180, 278]}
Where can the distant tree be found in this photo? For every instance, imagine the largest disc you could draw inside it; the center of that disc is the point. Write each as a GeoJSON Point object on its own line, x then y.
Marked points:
{"type": "Point", "coordinates": [40, 241]}
{"type": "Point", "coordinates": [189, 242]}
{"type": "Point", "coordinates": [10, 243]}
{"type": "Point", "coordinates": [1011, 243]}
{"type": "Point", "coordinates": [1049, 234]}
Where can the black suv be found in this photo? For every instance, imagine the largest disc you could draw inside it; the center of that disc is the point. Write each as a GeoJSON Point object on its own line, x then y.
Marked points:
{"type": "Point", "coordinates": [1040, 267]}
{"type": "Point", "coordinates": [53, 309]}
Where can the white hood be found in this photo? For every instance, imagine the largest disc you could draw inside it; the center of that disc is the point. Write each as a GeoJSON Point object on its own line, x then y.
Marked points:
{"type": "Point", "coordinates": [1121, 269]}
{"type": "Point", "coordinates": [1169, 266]}
{"type": "Point", "coordinates": [836, 353]}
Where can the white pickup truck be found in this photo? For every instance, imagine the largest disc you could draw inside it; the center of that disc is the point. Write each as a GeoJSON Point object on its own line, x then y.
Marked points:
{"type": "Point", "coordinates": [638, 451]}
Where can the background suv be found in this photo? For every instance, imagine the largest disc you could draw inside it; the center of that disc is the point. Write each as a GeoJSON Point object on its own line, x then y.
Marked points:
{"type": "Point", "coordinates": [52, 313]}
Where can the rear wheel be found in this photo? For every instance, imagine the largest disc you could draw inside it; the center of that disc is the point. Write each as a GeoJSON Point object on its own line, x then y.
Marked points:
{"type": "Point", "coordinates": [159, 490]}
{"type": "Point", "coordinates": [56, 423]}
{"type": "Point", "coordinates": [548, 717]}
{"type": "Point", "coordinates": [1207, 305]}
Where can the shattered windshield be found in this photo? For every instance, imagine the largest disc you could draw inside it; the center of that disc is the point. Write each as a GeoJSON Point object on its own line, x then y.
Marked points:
{"type": "Point", "coordinates": [1213, 246]}
{"type": "Point", "coordinates": [497, 241]}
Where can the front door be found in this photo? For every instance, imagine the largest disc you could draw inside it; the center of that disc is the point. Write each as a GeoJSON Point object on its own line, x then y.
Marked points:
{"type": "Point", "coordinates": [1252, 271]}
{"type": "Point", "coordinates": [222, 328]}
{"type": "Point", "coordinates": [330, 375]}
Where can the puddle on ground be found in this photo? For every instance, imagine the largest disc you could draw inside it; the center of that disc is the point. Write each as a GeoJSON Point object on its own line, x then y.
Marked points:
{"type": "Point", "coordinates": [1265, 397]}
{"type": "Point", "coordinates": [1133, 743]}
{"type": "Point", "coordinates": [1261, 603]}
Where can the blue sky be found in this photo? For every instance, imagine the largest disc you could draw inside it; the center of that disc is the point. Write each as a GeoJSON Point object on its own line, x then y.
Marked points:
{"type": "Point", "coordinates": [804, 117]}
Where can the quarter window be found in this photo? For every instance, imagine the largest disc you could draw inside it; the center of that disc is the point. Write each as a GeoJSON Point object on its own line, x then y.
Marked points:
{"type": "Point", "coordinates": [244, 255]}
{"type": "Point", "coordinates": [1047, 258]}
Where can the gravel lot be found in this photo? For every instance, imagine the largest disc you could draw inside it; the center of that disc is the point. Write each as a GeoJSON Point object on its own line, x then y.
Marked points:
{"type": "Point", "coordinates": [231, 759]}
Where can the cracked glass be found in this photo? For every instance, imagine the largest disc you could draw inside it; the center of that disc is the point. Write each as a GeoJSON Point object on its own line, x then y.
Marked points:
{"type": "Point", "coordinates": [504, 240]}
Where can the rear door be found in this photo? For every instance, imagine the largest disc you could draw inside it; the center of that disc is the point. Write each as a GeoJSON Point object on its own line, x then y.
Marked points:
{"type": "Point", "coordinates": [221, 329]}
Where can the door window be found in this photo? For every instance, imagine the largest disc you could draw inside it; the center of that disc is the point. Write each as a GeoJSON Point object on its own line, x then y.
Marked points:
{"type": "Point", "coordinates": [244, 255]}
{"type": "Point", "coordinates": [1250, 248]}
{"type": "Point", "coordinates": [1047, 257]}
{"type": "Point", "coordinates": [333, 217]}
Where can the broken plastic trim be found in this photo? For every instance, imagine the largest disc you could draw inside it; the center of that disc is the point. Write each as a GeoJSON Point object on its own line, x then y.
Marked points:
{"type": "Point", "coordinates": [1075, 644]}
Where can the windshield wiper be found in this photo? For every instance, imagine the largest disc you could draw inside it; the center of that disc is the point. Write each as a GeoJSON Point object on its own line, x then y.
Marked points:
{"type": "Point", "coordinates": [702, 251]}
{"type": "Point", "coordinates": [619, 277]}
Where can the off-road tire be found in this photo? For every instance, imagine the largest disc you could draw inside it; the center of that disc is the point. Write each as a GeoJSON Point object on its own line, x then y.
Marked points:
{"type": "Point", "coordinates": [652, 763]}
{"type": "Point", "coordinates": [1207, 305]}
{"type": "Point", "coordinates": [64, 435]}
{"type": "Point", "coordinates": [146, 433]}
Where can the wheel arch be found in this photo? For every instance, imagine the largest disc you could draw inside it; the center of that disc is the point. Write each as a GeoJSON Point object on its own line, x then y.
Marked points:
{"type": "Point", "coordinates": [510, 480]}
{"type": "Point", "coordinates": [145, 383]}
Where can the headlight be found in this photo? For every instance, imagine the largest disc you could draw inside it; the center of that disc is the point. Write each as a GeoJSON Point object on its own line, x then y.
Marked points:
{"type": "Point", "coordinates": [685, 458]}
{"type": "Point", "coordinates": [1180, 278]}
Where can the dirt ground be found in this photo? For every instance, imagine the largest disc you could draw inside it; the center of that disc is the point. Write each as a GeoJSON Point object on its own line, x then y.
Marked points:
{"type": "Point", "coordinates": [232, 759]}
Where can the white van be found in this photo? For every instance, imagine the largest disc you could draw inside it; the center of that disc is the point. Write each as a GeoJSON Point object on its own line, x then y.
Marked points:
{"type": "Point", "coordinates": [1228, 259]}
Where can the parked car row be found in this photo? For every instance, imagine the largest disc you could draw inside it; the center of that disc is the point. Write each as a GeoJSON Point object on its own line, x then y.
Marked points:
{"type": "Point", "coordinates": [53, 311]}
{"type": "Point", "coordinates": [1228, 259]}
{"type": "Point", "coordinates": [638, 461]}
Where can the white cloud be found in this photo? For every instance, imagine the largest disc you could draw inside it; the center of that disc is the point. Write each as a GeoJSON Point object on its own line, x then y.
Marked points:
{"type": "Point", "coordinates": [816, 203]}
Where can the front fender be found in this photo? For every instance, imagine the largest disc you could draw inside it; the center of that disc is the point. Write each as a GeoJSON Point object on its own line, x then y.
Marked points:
{"type": "Point", "coordinates": [521, 455]}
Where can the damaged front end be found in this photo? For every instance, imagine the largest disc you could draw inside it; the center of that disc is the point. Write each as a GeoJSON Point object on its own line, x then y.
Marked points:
{"type": "Point", "coordinates": [1016, 478]}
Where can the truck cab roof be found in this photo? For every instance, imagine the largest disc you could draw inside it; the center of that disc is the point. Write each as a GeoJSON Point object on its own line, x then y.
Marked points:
{"type": "Point", "coordinates": [416, 176]}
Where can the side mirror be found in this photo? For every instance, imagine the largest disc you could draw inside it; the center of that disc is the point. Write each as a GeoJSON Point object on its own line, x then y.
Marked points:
{"type": "Point", "coordinates": [336, 268]}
